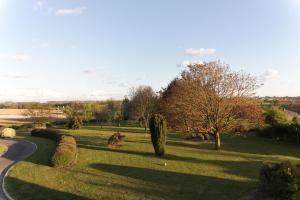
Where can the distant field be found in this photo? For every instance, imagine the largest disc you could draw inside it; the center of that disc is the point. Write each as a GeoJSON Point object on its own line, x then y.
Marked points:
{"type": "Point", "coordinates": [16, 116]}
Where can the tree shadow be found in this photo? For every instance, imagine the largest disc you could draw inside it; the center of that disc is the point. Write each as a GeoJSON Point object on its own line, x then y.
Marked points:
{"type": "Point", "coordinates": [115, 129]}
{"type": "Point", "coordinates": [239, 168]}
{"type": "Point", "coordinates": [24, 190]}
{"type": "Point", "coordinates": [175, 185]}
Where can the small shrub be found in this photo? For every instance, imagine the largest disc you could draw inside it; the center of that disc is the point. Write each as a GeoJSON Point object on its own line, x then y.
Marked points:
{"type": "Point", "coordinates": [8, 133]}
{"type": "Point", "coordinates": [201, 137]}
{"type": "Point", "coordinates": [75, 123]}
{"type": "Point", "coordinates": [115, 139]}
{"type": "Point", "coordinates": [206, 136]}
{"type": "Point", "coordinates": [280, 180]}
{"type": "Point", "coordinates": [158, 129]}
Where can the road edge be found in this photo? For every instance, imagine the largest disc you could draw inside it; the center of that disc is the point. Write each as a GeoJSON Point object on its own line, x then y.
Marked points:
{"type": "Point", "coordinates": [9, 168]}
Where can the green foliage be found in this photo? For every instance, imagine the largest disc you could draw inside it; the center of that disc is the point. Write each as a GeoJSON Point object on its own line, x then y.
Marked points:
{"type": "Point", "coordinates": [158, 129]}
{"type": "Point", "coordinates": [8, 133]}
{"type": "Point", "coordinates": [201, 137]}
{"type": "Point", "coordinates": [66, 151]}
{"type": "Point", "coordinates": [75, 122]}
{"type": "Point", "coordinates": [207, 136]}
{"type": "Point", "coordinates": [281, 181]}
{"type": "Point", "coordinates": [276, 117]}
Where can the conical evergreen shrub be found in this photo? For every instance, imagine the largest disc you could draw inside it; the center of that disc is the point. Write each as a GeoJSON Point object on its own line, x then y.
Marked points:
{"type": "Point", "coordinates": [158, 129]}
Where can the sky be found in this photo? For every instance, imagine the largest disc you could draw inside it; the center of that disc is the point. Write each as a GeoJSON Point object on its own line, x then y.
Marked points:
{"type": "Point", "coordinates": [95, 50]}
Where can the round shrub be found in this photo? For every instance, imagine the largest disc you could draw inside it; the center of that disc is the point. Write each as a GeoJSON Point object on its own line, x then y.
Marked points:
{"type": "Point", "coordinates": [201, 137]}
{"type": "Point", "coordinates": [158, 129]}
{"type": "Point", "coordinates": [207, 136]}
{"type": "Point", "coordinates": [75, 123]}
{"type": "Point", "coordinates": [8, 133]}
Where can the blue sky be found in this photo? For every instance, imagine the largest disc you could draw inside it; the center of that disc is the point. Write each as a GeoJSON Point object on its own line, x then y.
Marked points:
{"type": "Point", "coordinates": [89, 50]}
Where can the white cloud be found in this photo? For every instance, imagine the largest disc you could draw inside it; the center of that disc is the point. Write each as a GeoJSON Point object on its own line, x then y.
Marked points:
{"type": "Point", "coordinates": [14, 76]}
{"type": "Point", "coordinates": [124, 85]}
{"type": "Point", "coordinates": [16, 57]}
{"type": "Point", "coordinates": [103, 95]}
{"type": "Point", "coordinates": [200, 52]}
{"type": "Point", "coordinates": [89, 71]}
{"type": "Point", "coordinates": [40, 6]}
{"type": "Point", "coordinates": [70, 11]}
{"type": "Point", "coordinates": [270, 74]}
{"type": "Point", "coordinates": [185, 63]}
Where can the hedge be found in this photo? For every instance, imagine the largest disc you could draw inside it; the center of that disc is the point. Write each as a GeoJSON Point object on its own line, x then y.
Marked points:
{"type": "Point", "coordinates": [66, 150]}
{"type": "Point", "coordinates": [280, 180]}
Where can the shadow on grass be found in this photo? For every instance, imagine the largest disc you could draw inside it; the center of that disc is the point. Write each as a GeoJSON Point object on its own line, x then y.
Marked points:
{"type": "Point", "coordinates": [247, 169]}
{"type": "Point", "coordinates": [175, 185]}
{"type": "Point", "coordinates": [116, 129]}
{"type": "Point", "coordinates": [20, 189]}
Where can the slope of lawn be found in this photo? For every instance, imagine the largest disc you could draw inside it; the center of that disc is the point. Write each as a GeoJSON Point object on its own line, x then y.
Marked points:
{"type": "Point", "coordinates": [194, 170]}
{"type": "Point", "coordinates": [3, 149]}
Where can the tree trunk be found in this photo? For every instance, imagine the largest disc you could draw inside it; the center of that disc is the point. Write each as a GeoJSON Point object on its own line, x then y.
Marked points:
{"type": "Point", "coordinates": [217, 141]}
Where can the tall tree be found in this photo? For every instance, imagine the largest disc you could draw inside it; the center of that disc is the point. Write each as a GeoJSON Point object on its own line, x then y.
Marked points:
{"type": "Point", "coordinates": [209, 97]}
{"type": "Point", "coordinates": [144, 103]}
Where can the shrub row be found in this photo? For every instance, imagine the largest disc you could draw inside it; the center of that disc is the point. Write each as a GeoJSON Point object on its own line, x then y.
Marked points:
{"type": "Point", "coordinates": [199, 136]}
{"type": "Point", "coordinates": [66, 150]}
{"type": "Point", "coordinates": [282, 132]}
{"type": "Point", "coordinates": [280, 180]}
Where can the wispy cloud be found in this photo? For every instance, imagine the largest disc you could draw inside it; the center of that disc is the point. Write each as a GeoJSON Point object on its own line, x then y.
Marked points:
{"type": "Point", "coordinates": [16, 57]}
{"type": "Point", "coordinates": [14, 76]}
{"type": "Point", "coordinates": [200, 52]}
{"type": "Point", "coordinates": [70, 11]}
{"type": "Point", "coordinates": [104, 95]}
{"type": "Point", "coordinates": [188, 62]}
{"type": "Point", "coordinates": [41, 6]}
{"type": "Point", "coordinates": [270, 74]}
{"type": "Point", "coordinates": [89, 71]}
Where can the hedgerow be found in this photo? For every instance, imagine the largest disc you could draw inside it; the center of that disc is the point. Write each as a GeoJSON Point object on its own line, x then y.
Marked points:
{"type": "Point", "coordinates": [66, 150]}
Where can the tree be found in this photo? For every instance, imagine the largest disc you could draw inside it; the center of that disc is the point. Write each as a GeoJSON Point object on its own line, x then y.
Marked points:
{"type": "Point", "coordinates": [210, 98]}
{"type": "Point", "coordinates": [75, 115]}
{"type": "Point", "coordinates": [144, 103]}
{"type": "Point", "coordinates": [296, 127]}
{"type": "Point", "coordinates": [87, 112]}
{"type": "Point", "coordinates": [276, 117]}
{"type": "Point", "coordinates": [158, 129]}
{"type": "Point", "coordinates": [126, 109]}
{"type": "Point", "coordinates": [38, 113]}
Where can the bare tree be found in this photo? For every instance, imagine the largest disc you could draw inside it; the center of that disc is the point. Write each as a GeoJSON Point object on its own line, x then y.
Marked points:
{"type": "Point", "coordinates": [144, 101]}
{"type": "Point", "coordinates": [209, 97]}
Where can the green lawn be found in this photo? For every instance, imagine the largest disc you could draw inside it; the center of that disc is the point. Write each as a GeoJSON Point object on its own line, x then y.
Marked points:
{"type": "Point", "coordinates": [194, 170]}
{"type": "Point", "coordinates": [3, 149]}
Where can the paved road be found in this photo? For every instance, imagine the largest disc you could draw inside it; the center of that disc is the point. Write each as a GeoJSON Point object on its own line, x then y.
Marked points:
{"type": "Point", "coordinates": [17, 151]}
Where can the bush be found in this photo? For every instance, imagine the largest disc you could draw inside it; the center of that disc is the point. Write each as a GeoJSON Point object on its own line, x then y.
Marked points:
{"type": "Point", "coordinates": [206, 136]}
{"type": "Point", "coordinates": [276, 116]}
{"type": "Point", "coordinates": [158, 129]}
{"type": "Point", "coordinates": [115, 139]}
{"type": "Point", "coordinates": [66, 151]}
{"type": "Point", "coordinates": [280, 180]}
{"type": "Point", "coordinates": [201, 137]}
{"type": "Point", "coordinates": [8, 133]}
{"type": "Point", "coordinates": [75, 123]}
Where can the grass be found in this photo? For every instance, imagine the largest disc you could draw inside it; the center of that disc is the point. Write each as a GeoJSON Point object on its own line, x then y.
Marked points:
{"type": "Point", "coordinates": [194, 170]}
{"type": "Point", "coordinates": [3, 149]}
